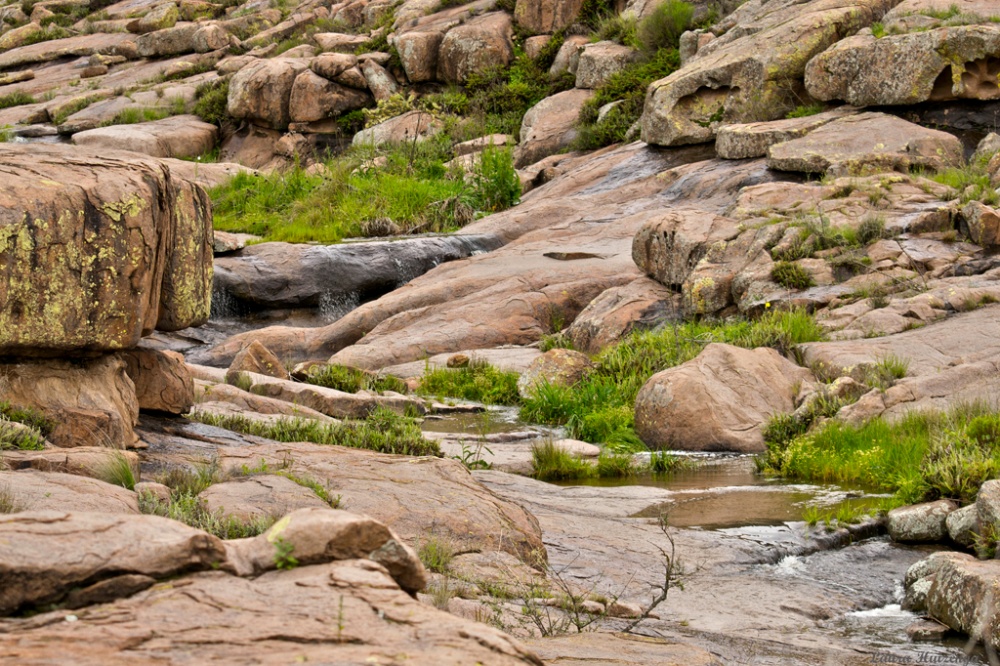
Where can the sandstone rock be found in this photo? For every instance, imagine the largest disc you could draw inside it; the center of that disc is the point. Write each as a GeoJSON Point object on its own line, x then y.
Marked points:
{"type": "Point", "coordinates": [399, 130]}
{"type": "Point", "coordinates": [750, 75]}
{"type": "Point", "coordinates": [719, 401]}
{"type": "Point", "coordinates": [934, 65]}
{"type": "Point", "coordinates": [920, 522]}
{"type": "Point", "coordinates": [987, 147]}
{"type": "Point", "coordinates": [45, 554]}
{"type": "Point", "coordinates": [90, 461]}
{"type": "Point", "coordinates": [92, 403]}
{"type": "Point", "coordinates": [962, 595]}
{"type": "Point", "coordinates": [154, 490]}
{"type": "Point", "coordinates": [261, 91]}
{"type": "Point", "coordinates": [213, 396]}
{"type": "Point", "coordinates": [16, 37]}
{"type": "Point", "coordinates": [80, 45]}
{"type": "Point", "coordinates": [255, 357]}
{"type": "Point", "coordinates": [31, 490]}
{"type": "Point", "coordinates": [558, 367]}
{"type": "Point", "coordinates": [577, 448]}
{"type": "Point", "coordinates": [418, 52]}
{"type": "Point", "coordinates": [316, 98]}
{"type": "Point", "coordinates": [472, 47]}
{"type": "Point", "coordinates": [567, 60]}
{"type": "Point", "coordinates": [546, 16]}
{"type": "Point", "coordinates": [184, 38]}
{"type": "Point", "coordinates": [982, 224]}
{"type": "Point", "coordinates": [478, 145]}
{"type": "Point", "coordinates": [602, 648]}
{"type": "Point", "coordinates": [224, 242]}
{"type": "Point", "coordinates": [867, 140]}
{"type": "Point", "coordinates": [137, 258]}
{"type": "Point", "coordinates": [642, 303]}
{"type": "Point", "coordinates": [162, 380]}
{"type": "Point", "coordinates": [740, 141]}
{"type": "Point", "coordinates": [176, 136]}
{"type": "Point", "coordinates": [335, 41]}
{"type": "Point", "coordinates": [668, 247]}
{"type": "Point", "coordinates": [160, 17]}
{"type": "Point", "coordinates": [550, 126]}
{"type": "Point", "coordinates": [599, 62]}
{"type": "Point", "coordinates": [380, 82]}
{"type": "Point", "coordinates": [264, 496]}
{"type": "Point", "coordinates": [331, 65]}
{"type": "Point", "coordinates": [963, 525]}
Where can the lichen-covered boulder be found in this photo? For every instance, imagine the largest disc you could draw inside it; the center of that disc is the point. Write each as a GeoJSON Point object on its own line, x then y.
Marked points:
{"type": "Point", "coordinates": [599, 62]}
{"type": "Point", "coordinates": [97, 250]}
{"type": "Point", "coordinates": [920, 522]}
{"type": "Point", "coordinates": [261, 91]}
{"type": "Point", "coordinates": [475, 46]}
{"type": "Point", "coordinates": [754, 71]}
{"type": "Point", "coordinates": [556, 367]}
{"type": "Point", "coordinates": [544, 16]}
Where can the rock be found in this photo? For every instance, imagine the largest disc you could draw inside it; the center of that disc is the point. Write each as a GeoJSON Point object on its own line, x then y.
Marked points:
{"type": "Point", "coordinates": [987, 147]}
{"type": "Point", "coordinates": [507, 359]}
{"type": "Point", "coordinates": [482, 143]}
{"type": "Point", "coordinates": [331, 402]}
{"type": "Point", "coordinates": [45, 554]}
{"type": "Point", "coordinates": [224, 242]}
{"type": "Point", "coordinates": [206, 174]}
{"type": "Point", "coordinates": [162, 380]}
{"type": "Point", "coordinates": [332, 65]}
{"type": "Point", "coordinates": [599, 62]}
{"type": "Point", "coordinates": [963, 525]}
{"type": "Point", "coordinates": [138, 258]}
{"type": "Point", "coordinates": [316, 98]}
{"type": "Point", "coordinates": [981, 224]}
{"type": "Point", "coordinates": [640, 304]}
{"type": "Point", "coordinates": [89, 461]}
{"type": "Point", "coordinates": [961, 594]}
{"type": "Point", "coordinates": [31, 490]}
{"type": "Point", "coordinates": [750, 75]}
{"type": "Point", "coordinates": [17, 37]}
{"type": "Point", "coordinates": [920, 522]}
{"type": "Point", "coordinates": [399, 130]}
{"type": "Point", "coordinates": [80, 45]}
{"type": "Point", "coordinates": [845, 147]}
{"type": "Point", "coordinates": [256, 497]}
{"type": "Point", "coordinates": [600, 648]}
{"type": "Point", "coordinates": [550, 126]}
{"type": "Point", "coordinates": [740, 141]}
{"type": "Point", "coordinates": [557, 367]}
{"type": "Point", "coordinates": [577, 448]}
{"type": "Point", "coordinates": [418, 52]}
{"type": "Point", "coordinates": [926, 630]}
{"type": "Point", "coordinates": [336, 41]}
{"type": "Point", "coordinates": [16, 77]}
{"type": "Point", "coordinates": [932, 65]}
{"type": "Point", "coordinates": [177, 136]}
{"type": "Point", "coordinates": [546, 16]}
{"type": "Point", "coordinates": [182, 38]}
{"type": "Point", "coordinates": [160, 17]}
{"type": "Point", "coordinates": [988, 505]}
{"type": "Point", "coordinates": [261, 91]}
{"type": "Point", "coordinates": [567, 60]}
{"type": "Point", "coordinates": [156, 491]}
{"type": "Point", "coordinates": [255, 357]}
{"type": "Point", "coordinates": [473, 47]}
{"type": "Point", "coordinates": [668, 247]}
{"type": "Point", "coordinates": [380, 82]}
{"type": "Point", "coordinates": [91, 403]}
{"type": "Point", "coordinates": [214, 397]}
{"type": "Point", "coordinates": [718, 401]}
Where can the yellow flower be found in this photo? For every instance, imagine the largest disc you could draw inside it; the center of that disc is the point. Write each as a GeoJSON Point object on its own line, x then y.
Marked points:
{"type": "Point", "coordinates": [767, 305]}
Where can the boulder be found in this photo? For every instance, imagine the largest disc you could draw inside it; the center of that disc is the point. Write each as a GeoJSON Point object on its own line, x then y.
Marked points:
{"type": "Point", "coordinates": [741, 141]}
{"type": "Point", "coordinates": [963, 525]}
{"type": "Point", "coordinates": [599, 62]}
{"type": "Point", "coordinates": [641, 304]}
{"type": "Point", "coordinates": [339, 42]}
{"type": "Point", "coordinates": [162, 381]}
{"type": "Point", "coordinates": [31, 490]}
{"type": "Point", "coordinates": [45, 554]}
{"type": "Point", "coordinates": [920, 523]}
{"type": "Point", "coordinates": [988, 505]}
{"type": "Point", "coordinates": [418, 53]}
{"type": "Point", "coordinates": [556, 367]}
{"type": "Point", "coordinates": [257, 497]}
{"type": "Point", "coordinates": [17, 37]}
{"type": "Point", "coordinates": [568, 57]}
{"type": "Point", "coordinates": [91, 403]}
{"type": "Point", "coordinates": [261, 91]}
{"type": "Point", "coordinates": [981, 224]}
{"type": "Point", "coordinates": [850, 145]}
{"type": "Point", "coordinates": [176, 136]}
{"type": "Point", "coordinates": [257, 358]}
{"type": "Point", "coordinates": [110, 249]}
{"type": "Point", "coordinates": [482, 143]}
{"type": "Point", "coordinates": [546, 16]}
{"type": "Point", "coordinates": [475, 46]}
{"type": "Point", "coordinates": [412, 125]}
{"type": "Point", "coordinates": [223, 398]}
{"type": "Point", "coordinates": [927, 66]}
{"type": "Point", "coordinates": [668, 247]}
{"type": "Point", "coordinates": [183, 38]}
{"type": "Point", "coordinates": [750, 75]}
{"type": "Point", "coordinates": [380, 82]}
{"type": "Point", "coordinates": [314, 97]}
{"type": "Point", "coordinates": [550, 126]}
{"type": "Point", "coordinates": [89, 461]}
{"type": "Point", "coordinates": [718, 401]}
{"type": "Point", "coordinates": [332, 65]}
{"type": "Point", "coordinates": [160, 17]}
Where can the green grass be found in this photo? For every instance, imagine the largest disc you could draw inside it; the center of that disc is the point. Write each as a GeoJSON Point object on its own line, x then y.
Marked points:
{"type": "Point", "coordinates": [968, 183]}
{"type": "Point", "coordinates": [352, 380]}
{"type": "Point", "coordinates": [805, 111]}
{"type": "Point", "coordinates": [791, 276]}
{"type": "Point", "coordinates": [312, 484]}
{"type": "Point", "coordinates": [15, 99]}
{"type": "Point", "coordinates": [436, 554]}
{"type": "Point", "coordinates": [551, 463]}
{"type": "Point", "coordinates": [210, 101]}
{"type": "Point", "coordinates": [186, 508]}
{"type": "Point", "coordinates": [600, 408]}
{"type": "Point", "coordinates": [383, 431]}
{"type": "Point", "coordinates": [75, 107]}
{"type": "Point", "coordinates": [133, 115]}
{"type": "Point", "coordinates": [480, 382]}
{"type": "Point", "coordinates": [117, 471]}
{"type": "Point", "coordinates": [923, 456]}
{"type": "Point", "coordinates": [33, 439]}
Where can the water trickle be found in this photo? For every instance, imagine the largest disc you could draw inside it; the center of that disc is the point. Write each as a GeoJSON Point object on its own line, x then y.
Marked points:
{"type": "Point", "coordinates": [333, 306]}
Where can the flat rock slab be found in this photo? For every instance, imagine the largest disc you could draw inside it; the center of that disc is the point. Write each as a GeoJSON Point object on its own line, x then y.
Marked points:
{"type": "Point", "coordinates": [79, 461]}
{"type": "Point", "coordinates": [850, 145]}
{"type": "Point", "coordinates": [30, 490]}
{"type": "Point", "coordinates": [742, 141]}
{"type": "Point", "coordinates": [176, 136]}
{"type": "Point", "coordinates": [600, 649]}
{"type": "Point", "coordinates": [508, 359]}
{"type": "Point", "coordinates": [259, 497]}
{"type": "Point", "coordinates": [348, 612]}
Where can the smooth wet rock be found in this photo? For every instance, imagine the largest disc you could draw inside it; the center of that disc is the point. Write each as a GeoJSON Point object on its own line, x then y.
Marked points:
{"type": "Point", "coordinates": [32, 490]}
{"type": "Point", "coordinates": [926, 630]}
{"type": "Point", "coordinates": [257, 358]}
{"type": "Point", "coordinates": [866, 141]}
{"type": "Point", "coordinates": [162, 381]}
{"type": "Point", "coordinates": [126, 249]}
{"type": "Point", "coordinates": [718, 401]}
{"type": "Point", "coordinates": [256, 497]}
{"type": "Point", "coordinates": [920, 523]}
{"type": "Point", "coordinates": [556, 367]}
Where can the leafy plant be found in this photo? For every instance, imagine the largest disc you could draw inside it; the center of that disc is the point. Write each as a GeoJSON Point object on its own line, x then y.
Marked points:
{"type": "Point", "coordinates": [436, 554]}
{"type": "Point", "coordinates": [283, 558]}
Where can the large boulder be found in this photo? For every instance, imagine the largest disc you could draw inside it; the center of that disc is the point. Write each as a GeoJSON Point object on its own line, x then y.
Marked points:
{"type": "Point", "coordinates": [668, 247]}
{"type": "Point", "coordinates": [31, 490]}
{"type": "Point", "coordinates": [546, 16]}
{"type": "Point", "coordinates": [640, 304]}
{"type": "Point", "coordinates": [550, 126]}
{"type": "Point", "coordinates": [849, 145]}
{"type": "Point", "coordinates": [719, 401]}
{"type": "Point", "coordinates": [314, 97]}
{"type": "Point", "coordinates": [183, 38]}
{"type": "Point", "coordinates": [411, 126]}
{"type": "Point", "coordinates": [97, 250]}
{"type": "Point", "coordinates": [162, 381]}
{"type": "Point", "coordinates": [418, 53]}
{"type": "Point", "coordinates": [257, 358]}
{"type": "Point", "coordinates": [920, 522]}
{"type": "Point", "coordinates": [475, 46]}
{"type": "Point", "coordinates": [258, 497]}
{"type": "Point", "coordinates": [556, 367]}
{"type": "Point", "coordinates": [599, 62]}
{"type": "Point", "coordinates": [91, 403]}
{"type": "Point", "coordinates": [742, 140]}
{"type": "Point", "coordinates": [754, 71]}
{"type": "Point", "coordinates": [261, 91]}
{"type": "Point", "coordinates": [176, 136]}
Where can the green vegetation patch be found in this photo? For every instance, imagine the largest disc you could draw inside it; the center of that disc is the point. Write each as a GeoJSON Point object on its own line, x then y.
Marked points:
{"type": "Point", "coordinates": [477, 381]}
{"type": "Point", "coordinates": [352, 380]}
{"type": "Point", "coordinates": [15, 99]}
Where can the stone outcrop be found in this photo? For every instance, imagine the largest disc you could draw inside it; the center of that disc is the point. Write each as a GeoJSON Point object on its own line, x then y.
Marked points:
{"type": "Point", "coordinates": [261, 91]}
{"type": "Point", "coordinates": [257, 358]}
{"type": "Point", "coordinates": [642, 303]}
{"type": "Point", "coordinates": [32, 490]}
{"type": "Point", "coordinates": [162, 381]}
{"type": "Point", "coordinates": [719, 401]}
{"type": "Point", "coordinates": [257, 497]}
{"type": "Point", "coordinates": [314, 97]}
{"type": "Point", "coordinates": [177, 136]}
{"type": "Point", "coordinates": [667, 248]}
{"type": "Point", "coordinates": [544, 16]}
{"type": "Point", "coordinates": [920, 522]}
{"type": "Point", "coordinates": [741, 141]}
{"type": "Point", "coordinates": [475, 46]}
{"type": "Point", "coordinates": [122, 248]}
{"type": "Point", "coordinates": [550, 126]}
{"type": "Point", "coordinates": [599, 62]}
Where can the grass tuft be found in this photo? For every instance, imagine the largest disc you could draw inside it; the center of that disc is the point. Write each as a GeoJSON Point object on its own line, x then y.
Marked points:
{"type": "Point", "coordinates": [550, 463]}
{"type": "Point", "coordinates": [480, 382]}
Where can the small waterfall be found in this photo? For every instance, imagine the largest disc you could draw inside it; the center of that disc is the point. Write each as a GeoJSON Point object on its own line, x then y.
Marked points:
{"type": "Point", "coordinates": [333, 306]}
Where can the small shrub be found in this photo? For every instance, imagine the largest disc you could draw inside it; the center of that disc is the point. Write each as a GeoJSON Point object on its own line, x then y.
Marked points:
{"type": "Point", "coordinates": [663, 28]}
{"type": "Point", "coordinates": [496, 185]}
{"type": "Point", "coordinates": [211, 99]}
{"type": "Point", "coordinates": [617, 28]}
{"type": "Point", "coordinates": [612, 465]}
{"type": "Point", "coordinates": [551, 463]}
{"type": "Point", "coordinates": [872, 229]}
{"type": "Point", "coordinates": [187, 508]}
{"type": "Point", "coordinates": [878, 30]}
{"type": "Point", "coordinates": [436, 554]}
{"type": "Point", "coordinates": [283, 558]}
{"type": "Point", "coordinates": [8, 503]}
{"type": "Point", "coordinates": [791, 276]}
{"type": "Point", "coordinates": [118, 471]}
{"type": "Point", "coordinates": [661, 462]}
{"type": "Point", "coordinates": [352, 380]}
